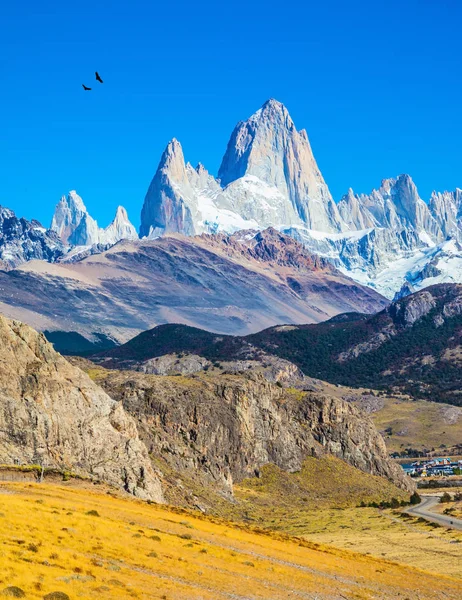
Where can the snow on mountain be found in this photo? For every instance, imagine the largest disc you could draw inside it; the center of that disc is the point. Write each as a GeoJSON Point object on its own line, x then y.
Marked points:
{"type": "Point", "coordinates": [22, 240]}
{"type": "Point", "coordinates": [185, 200]}
{"type": "Point", "coordinates": [398, 238]}
{"type": "Point", "coordinates": [75, 227]}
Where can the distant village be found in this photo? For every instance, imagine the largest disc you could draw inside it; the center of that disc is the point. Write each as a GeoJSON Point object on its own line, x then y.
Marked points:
{"type": "Point", "coordinates": [435, 467]}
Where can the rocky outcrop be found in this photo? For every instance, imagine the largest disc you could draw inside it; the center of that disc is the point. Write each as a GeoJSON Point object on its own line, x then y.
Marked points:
{"type": "Point", "coordinates": [22, 240]}
{"type": "Point", "coordinates": [446, 208]}
{"type": "Point", "coordinates": [75, 227]}
{"type": "Point", "coordinates": [52, 414]}
{"type": "Point", "coordinates": [172, 364]}
{"type": "Point", "coordinates": [219, 429]}
{"type": "Point", "coordinates": [414, 308]}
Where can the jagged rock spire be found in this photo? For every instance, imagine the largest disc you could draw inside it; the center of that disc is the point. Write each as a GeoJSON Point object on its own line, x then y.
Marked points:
{"type": "Point", "coordinates": [76, 227]}
{"type": "Point", "coordinates": [268, 146]}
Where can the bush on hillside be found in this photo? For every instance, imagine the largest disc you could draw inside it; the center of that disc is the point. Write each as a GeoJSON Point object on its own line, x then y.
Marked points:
{"type": "Point", "coordinates": [415, 498]}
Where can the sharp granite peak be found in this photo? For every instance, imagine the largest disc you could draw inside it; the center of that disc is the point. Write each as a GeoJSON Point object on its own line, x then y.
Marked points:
{"type": "Point", "coordinates": [268, 177]}
{"type": "Point", "coordinates": [75, 227]}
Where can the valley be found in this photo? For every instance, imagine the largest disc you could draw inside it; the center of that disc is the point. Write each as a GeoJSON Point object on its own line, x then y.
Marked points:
{"type": "Point", "coordinates": [212, 407]}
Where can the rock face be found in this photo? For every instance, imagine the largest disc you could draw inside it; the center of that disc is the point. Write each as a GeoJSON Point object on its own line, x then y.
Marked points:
{"type": "Point", "coordinates": [268, 177]}
{"type": "Point", "coordinates": [268, 146]}
{"type": "Point", "coordinates": [22, 240]}
{"type": "Point", "coordinates": [221, 429]}
{"type": "Point", "coordinates": [52, 413]}
{"type": "Point", "coordinates": [76, 227]}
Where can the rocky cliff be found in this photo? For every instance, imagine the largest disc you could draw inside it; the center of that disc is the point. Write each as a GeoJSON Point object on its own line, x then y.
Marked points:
{"type": "Point", "coordinates": [218, 429]}
{"type": "Point", "coordinates": [51, 413]}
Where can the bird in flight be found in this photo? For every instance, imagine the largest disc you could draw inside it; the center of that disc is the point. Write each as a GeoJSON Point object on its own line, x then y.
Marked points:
{"type": "Point", "coordinates": [98, 78]}
{"type": "Point", "coordinates": [87, 89]}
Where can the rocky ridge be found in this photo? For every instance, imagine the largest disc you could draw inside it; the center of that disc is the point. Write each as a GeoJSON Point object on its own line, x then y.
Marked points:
{"type": "Point", "coordinates": [413, 346]}
{"type": "Point", "coordinates": [22, 240]}
{"type": "Point", "coordinates": [231, 284]}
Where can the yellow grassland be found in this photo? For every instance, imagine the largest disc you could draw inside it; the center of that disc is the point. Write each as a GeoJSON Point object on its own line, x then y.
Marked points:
{"type": "Point", "coordinates": [51, 541]}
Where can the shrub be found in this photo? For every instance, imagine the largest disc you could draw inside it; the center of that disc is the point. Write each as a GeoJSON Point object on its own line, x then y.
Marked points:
{"type": "Point", "coordinates": [415, 498]}
{"type": "Point", "coordinates": [445, 497]}
{"type": "Point", "coordinates": [33, 547]}
{"type": "Point", "coordinates": [92, 513]}
{"type": "Point", "coordinates": [14, 592]}
{"type": "Point", "coordinates": [56, 596]}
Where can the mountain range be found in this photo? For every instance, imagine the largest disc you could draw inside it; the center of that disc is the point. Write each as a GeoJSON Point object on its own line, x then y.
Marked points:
{"type": "Point", "coordinates": [389, 240]}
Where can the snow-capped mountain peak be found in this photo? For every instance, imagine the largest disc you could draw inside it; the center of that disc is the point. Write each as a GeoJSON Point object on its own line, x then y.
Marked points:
{"type": "Point", "coordinates": [268, 177]}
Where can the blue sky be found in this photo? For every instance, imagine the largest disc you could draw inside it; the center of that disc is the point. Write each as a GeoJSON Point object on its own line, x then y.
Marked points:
{"type": "Point", "coordinates": [376, 84]}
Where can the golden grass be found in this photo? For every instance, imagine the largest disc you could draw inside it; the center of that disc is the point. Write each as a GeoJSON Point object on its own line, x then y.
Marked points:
{"type": "Point", "coordinates": [51, 541]}
{"type": "Point", "coordinates": [417, 424]}
{"type": "Point", "coordinates": [321, 482]}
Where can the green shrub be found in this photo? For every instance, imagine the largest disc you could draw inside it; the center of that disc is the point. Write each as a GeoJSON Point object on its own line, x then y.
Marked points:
{"type": "Point", "coordinates": [415, 498]}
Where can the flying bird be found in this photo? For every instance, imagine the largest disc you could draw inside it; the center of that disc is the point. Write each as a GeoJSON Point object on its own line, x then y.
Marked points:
{"type": "Point", "coordinates": [87, 89]}
{"type": "Point", "coordinates": [98, 78]}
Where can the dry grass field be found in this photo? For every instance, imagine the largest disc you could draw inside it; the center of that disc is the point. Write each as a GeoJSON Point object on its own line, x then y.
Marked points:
{"type": "Point", "coordinates": [92, 544]}
{"type": "Point", "coordinates": [408, 423]}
